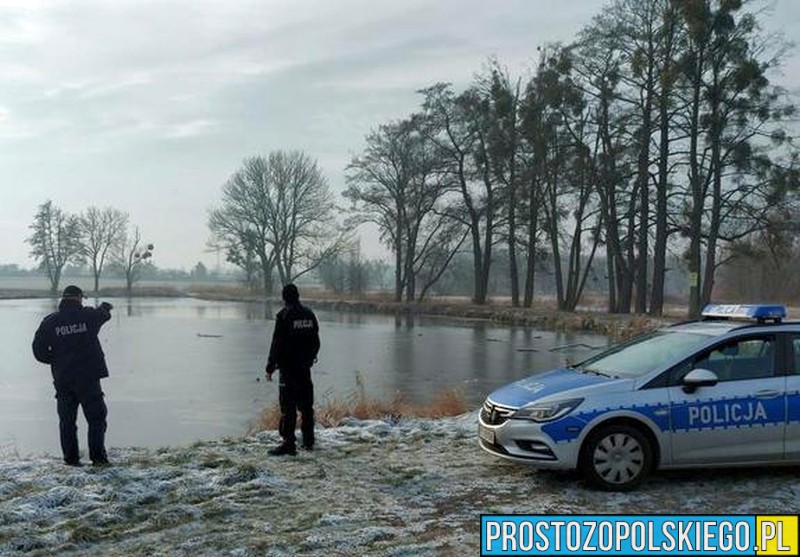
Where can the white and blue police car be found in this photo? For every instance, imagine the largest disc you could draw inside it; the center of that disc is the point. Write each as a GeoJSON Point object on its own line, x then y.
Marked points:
{"type": "Point", "coordinates": [712, 392]}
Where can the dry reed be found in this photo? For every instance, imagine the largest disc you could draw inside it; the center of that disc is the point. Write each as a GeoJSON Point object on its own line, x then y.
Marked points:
{"type": "Point", "coordinates": [333, 411]}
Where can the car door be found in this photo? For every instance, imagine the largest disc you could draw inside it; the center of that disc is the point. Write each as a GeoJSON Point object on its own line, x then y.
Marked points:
{"type": "Point", "coordinates": [793, 399]}
{"type": "Point", "coordinates": [742, 417]}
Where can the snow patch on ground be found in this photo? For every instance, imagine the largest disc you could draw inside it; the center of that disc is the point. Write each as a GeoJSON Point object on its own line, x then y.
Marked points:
{"type": "Point", "coordinates": [390, 488]}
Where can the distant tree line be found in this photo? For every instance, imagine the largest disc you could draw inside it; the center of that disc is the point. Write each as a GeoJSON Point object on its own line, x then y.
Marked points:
{"type": "Point", "coordinates": [96, 238]}
{"type": "Point", "coordinates": [14, 270]}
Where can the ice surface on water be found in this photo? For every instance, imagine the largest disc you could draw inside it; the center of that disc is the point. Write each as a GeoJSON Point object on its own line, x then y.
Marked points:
{"type": "Point", "coordinates": [170, 386]}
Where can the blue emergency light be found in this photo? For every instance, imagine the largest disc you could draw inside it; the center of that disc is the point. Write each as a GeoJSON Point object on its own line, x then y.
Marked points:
{"type": "Point", "coordinates": [759, 312]}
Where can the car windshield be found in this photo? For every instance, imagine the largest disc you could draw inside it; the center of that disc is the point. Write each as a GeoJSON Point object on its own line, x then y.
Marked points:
{"type": "Point", "coordinates": [643, 354]}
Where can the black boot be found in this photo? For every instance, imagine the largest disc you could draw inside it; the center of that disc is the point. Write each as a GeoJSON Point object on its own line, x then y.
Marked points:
{"type": "Point", "coordinates": [283, 449]}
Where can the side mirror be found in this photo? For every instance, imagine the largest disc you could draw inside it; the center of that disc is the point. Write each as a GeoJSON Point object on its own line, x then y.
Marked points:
{"type": "Point", "coordinates": [699, 378]}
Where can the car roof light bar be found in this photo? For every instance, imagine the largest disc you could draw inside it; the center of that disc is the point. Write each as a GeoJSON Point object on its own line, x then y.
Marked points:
{"type": "Point", "coordinates": [759, 312]}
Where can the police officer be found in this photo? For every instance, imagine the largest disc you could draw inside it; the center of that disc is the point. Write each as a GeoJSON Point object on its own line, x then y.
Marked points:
{"type": "Point", "coordinates": [67, 340]}
{"type": "Point", "coordinates": [295, 344]}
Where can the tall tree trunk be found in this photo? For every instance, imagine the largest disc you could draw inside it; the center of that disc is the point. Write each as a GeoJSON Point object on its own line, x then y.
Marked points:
{"type": "Point", "coordinates": [398, 260]}
{"type": "Point", "coordinates": [612, 283]}
{"type": "Point", "coordinates": [619, 273]}
{"type": "Point", "coordinates": [710, 265]}
{"type": "Point", "coordinates": [489, 231]}
{"type": "Point", "coordinates": [660, 245]}
{"type": "Point", "coordinates": [512, 250]}
{"type": "Point", "coordinates": [716, 198]}
{"type": "Point", "coordinates": [55, 280]}
{"type": "Point", "coordinates": [410, 278]}
{"type": "Point", "coordinates": [266, 273]}
{"type": "Point", "coordinates": [696, 186]}
{"type": "Point", "coordinates": [478, 289]}
{"type": "Point", "coordinates": [662, 185]}
{"type": "Point", "coordinates": [643, 182]}
{"type": "Point", "coordinates": [487, 258]}
{"type": "Point", "coordinates": [695, 230]}
{"type": "Point", "coordinates": [512, 231]}
{"type": "Point", "coordinates": [551, 212]}
{"type": "Point", "coordinates": [559, 275]}
{"type": "Point", "coordinates": [626, 296]}
{"type": "Point", "coordinates": [533, 218]}
{"type": "Point", "coordinates": [644, 212]}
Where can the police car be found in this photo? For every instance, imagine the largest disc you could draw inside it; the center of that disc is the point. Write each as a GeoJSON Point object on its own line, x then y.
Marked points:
{"type": "Point", "coordinates": [713, 392]}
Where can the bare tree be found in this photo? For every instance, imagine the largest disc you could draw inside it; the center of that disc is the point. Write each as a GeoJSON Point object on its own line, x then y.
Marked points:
{"type": "Point", "coordinates": [444, 238]}
{"type": "Point", "coordinates": [242, 222]}
{"type": "Point", "coordinates": [55, 241]}
{"type": "Point", "coordinates": [240, 243]}
{"type": "Point", "coordinates": [732, 109]}
{"type": "Point", "coordinates": [538, 124]}
{"type": "Point", "coordinates": [378, 183]}
{"type": "Point", "coordinates": [397, 184]}
{"type": "Point", "coordinates": [459, 127]}
{"type": "Point", "coordinates": [279, 210]}
{"type": "Point", "coordinates": [101, 230]}
{"type": "Point", "coordinates": [567, 126]}
{"type": "Point", "coordinates": [647, 37]}
{"type": "Point", "coordinates": [131, 256]}
{"type": "Point", "coordinates": [505, 144]}
{"type": "Point", "coordinates": [302, 228]}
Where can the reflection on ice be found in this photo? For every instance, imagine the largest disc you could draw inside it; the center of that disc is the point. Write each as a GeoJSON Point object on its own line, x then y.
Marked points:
{"type": "Point", "coordinates": [185, 369]}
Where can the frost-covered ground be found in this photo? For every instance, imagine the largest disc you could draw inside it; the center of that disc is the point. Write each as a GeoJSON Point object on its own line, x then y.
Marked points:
{"type": "Point", "coordinates": [417, 487]}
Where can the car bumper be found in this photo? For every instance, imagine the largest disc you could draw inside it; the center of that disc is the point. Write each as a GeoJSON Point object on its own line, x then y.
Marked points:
{"type": "Point", "coordinates": [524, 441]}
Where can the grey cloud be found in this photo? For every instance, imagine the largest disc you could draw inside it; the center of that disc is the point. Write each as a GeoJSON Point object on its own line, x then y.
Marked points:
{"type": "Point", "coordinates": [150, 105]}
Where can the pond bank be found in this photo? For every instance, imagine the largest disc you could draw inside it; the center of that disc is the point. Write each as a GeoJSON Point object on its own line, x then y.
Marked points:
{"type": "Point", "coordinates": [111, 292]}
{"type": "Point", "coordinates": [615, 326]}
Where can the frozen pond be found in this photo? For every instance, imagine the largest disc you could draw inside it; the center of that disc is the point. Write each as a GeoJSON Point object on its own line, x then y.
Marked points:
{"type": "Point", "coordinates": [185, 370]}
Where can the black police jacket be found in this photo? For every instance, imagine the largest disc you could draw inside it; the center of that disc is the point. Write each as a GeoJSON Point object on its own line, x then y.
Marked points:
{"type": "Point", "coordinates": [67, 340]}
{"type": "Point", "coordinates": [295, 340]}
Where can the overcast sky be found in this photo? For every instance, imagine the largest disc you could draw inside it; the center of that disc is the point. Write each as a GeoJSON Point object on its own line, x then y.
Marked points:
{"type": "Point", "coordinates": [149, 106]}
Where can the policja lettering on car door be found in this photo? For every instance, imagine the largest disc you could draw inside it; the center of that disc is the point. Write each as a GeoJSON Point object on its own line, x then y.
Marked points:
{"type": "Point", "coordinates": [736, 419]}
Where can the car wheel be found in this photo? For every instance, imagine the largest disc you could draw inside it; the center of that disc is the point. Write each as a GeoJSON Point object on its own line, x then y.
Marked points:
{"type": "Point", "coordinates": [616, 457]}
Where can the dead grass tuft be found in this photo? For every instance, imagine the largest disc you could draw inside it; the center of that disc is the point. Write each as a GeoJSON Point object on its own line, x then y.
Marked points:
{"type": "Point", "coordinates": [332, 412]}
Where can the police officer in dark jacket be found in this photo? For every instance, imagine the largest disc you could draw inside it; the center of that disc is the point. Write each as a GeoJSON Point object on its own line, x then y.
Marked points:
{"type": "Point", "coordinates": [67, 340]}
{"type": "Point", "coordinates": [295, 344]}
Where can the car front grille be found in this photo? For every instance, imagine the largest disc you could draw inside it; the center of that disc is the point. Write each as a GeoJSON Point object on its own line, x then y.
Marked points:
{"type": "Point", "coordinates": [493, 414]}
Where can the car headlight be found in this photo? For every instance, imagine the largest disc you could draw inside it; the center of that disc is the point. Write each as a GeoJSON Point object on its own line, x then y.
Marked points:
{"type": "Point", "coordinates": [547, 411]}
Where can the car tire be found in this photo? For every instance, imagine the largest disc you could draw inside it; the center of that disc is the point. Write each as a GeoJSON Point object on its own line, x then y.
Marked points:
{"type": "Point", "coordinates": [616, 457]}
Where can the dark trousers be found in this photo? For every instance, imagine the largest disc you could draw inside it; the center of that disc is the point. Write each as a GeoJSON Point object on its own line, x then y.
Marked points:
{"type": "Point", "coordinates": [296, 392]}
{"type": "Point", "coordinates": [89, 396]}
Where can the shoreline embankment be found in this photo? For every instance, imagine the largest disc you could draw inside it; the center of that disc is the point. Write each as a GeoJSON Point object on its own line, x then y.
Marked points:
{"type": "Point", "coordinates": [542, 316]}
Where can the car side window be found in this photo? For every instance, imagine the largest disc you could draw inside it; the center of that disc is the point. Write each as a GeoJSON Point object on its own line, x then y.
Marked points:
{"type": "Point", "coordinates": [736, 360]}
{"type": "Point", "coordinates": [796, 351]}
{"type": "Point", "coordinates": [677, 373]}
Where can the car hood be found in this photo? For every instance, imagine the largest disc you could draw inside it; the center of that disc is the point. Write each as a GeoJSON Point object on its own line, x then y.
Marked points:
{"type": "Point", "coordinates": [566, 382]}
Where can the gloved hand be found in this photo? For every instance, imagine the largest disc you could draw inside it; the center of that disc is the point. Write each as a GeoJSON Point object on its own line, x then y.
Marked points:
{"type": "Point", "coordinates": [106, 306]}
